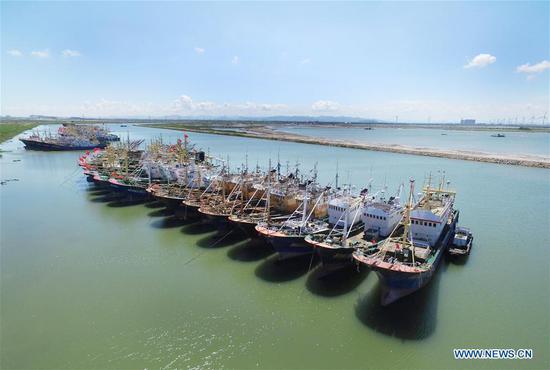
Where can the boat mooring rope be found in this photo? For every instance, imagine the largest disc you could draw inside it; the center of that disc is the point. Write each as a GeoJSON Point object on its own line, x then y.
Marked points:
{"type": "Point", "coordinates": [204, 251]}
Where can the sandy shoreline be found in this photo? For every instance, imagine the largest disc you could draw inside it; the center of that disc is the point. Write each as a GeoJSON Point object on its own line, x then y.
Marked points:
{"type": "Point", "coordinates": [267, 133]}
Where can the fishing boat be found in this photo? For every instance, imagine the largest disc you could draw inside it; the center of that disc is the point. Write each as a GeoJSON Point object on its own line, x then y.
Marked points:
{"type": "Point", "coordinates": [235, 193]}
{"type": "Point", "coordinates": [71, 137]}
{"type": "Point", "coordinates": [287, 234]}
{"type": "Point", "coordinates": [180, 168]}
{"type": "Point", "coordinates": [273, 198]}
{"type": "Point", "coordinates": [378, 217]}
{"type": "Point", "coordinates": [216, 207]}
{"type": "Point", "coordinates": [405, 263]}
{"type": "Point", "coordinates": [36, 142]}
{"type": "Point", "coordinates": [247, 215]}
{"type": "Point", "coordinates": [344, 212]}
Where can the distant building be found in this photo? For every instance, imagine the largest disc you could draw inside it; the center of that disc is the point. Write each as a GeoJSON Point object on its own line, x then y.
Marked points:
{"type": "Point", "coordinates": [467, 121]}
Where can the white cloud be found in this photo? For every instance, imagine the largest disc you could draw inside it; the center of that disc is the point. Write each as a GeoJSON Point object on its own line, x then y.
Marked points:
{"type": "Point", "coordinates": [305, 61]}
{"type": "Point", "coordinates": [184, 102]}
{"type": "Point", "coordinates": [408, 110]}
{"type": "Point", "coordinates": [325, 106]}
{"type": "Point", "coordinates": [15, 53]}
{"type": "Point", "coordinates": [41, 53]}
{"type": "Point", "coordinates": [186, 105]}
{"type": "Point", "coordinates": [535, 68]}
{"type": "Point", "coordinates": [481, 60]}
{"type": "Point", "coordinates": [199, 50]}
{"type": "Point", "coordinates": [235, 60]}
{"type": "Point", "coordinates": [531, 77]}
{"type": "Point", "coordinates": [70, 53]}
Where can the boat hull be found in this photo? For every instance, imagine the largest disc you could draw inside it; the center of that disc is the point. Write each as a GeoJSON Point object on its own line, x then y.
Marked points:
{"type": "Point", "coordinates": [169, 202]}
{"type": "Point", "coordinates": [335, 257]}
{"type": "Point", "coordinates": [396, 284]}
{"type": "Point", "coordinates": [38, 145]}
{"type": "Point", "coordinates": [219, 220]}
{"type": "Point", "coordinates": [135, 191]}
{"type": "Point", "coordinates": [248, 228]}
{"type": "Point", "coordinates": [287, 245]}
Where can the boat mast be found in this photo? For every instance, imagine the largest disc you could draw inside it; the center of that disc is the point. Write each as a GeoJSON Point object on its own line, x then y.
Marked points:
{"type": "Point", "coordinates": [336, 180]}
{"type": "Point", "coordinates": [268, 201]}
{"type": "Point", "coordinates": [407, 219]}
{"type": "Point", "coordinates": [305, 209]}
{"type": "Point", "coordinates": [345, 235]}
{"type": "Point", "coordinates": [279, 164]}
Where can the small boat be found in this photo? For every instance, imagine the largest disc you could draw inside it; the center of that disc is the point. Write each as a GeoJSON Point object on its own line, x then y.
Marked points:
{"type": "Point", "coordinates": [498, 135]}
{"type": "Point", "coordinates": [462, 242]}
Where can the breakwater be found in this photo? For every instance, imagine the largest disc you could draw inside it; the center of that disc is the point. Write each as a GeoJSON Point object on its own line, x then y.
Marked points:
{"type": "Point", "coordinates": [267, 133]}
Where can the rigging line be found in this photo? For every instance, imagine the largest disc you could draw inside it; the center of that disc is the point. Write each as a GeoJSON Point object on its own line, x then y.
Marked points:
{"type": "Point", "coordinates": [311, 261]}
{"type": "Point", "coordinates": [70, 176]}
{"type": "Point", "coordinates": [206, 249]}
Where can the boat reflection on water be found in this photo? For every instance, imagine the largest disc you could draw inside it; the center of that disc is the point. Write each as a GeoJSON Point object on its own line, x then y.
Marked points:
{"type": "Point", "coordinates": [413, 317]}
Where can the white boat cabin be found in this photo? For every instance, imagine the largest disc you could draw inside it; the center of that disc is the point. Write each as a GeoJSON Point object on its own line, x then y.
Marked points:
{"type": "Point", "coordinates": [344, 211]}
{"type": "Point", "coordinates": [427, 224]}
{"type": "Point", "coordinates": [382, 216]}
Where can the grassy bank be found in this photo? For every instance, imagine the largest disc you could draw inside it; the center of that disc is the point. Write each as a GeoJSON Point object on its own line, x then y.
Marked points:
{"type": "Point", "coordinates": [9, 130]}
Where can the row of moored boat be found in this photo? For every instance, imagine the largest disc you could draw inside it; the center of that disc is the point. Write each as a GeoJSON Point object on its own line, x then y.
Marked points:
{"type": "Point", "coordinates": [403, 240]}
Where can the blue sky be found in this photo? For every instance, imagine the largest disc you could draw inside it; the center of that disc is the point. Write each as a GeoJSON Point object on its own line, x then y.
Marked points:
{"type": "Point", "coordinates": [414, 60]}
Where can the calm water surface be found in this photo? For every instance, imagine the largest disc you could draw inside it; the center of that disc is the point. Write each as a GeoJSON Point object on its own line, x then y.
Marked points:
{"type": "Point", "coordinates": [531, 143]}
{"type": "Point", "coordinates": [92, 281]}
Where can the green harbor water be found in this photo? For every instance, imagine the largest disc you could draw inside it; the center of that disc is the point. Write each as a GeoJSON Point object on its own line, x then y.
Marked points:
{"type": "Point", "coordinates": [514, 142]}
{"type": "Point", "coordinates": [90, 280]}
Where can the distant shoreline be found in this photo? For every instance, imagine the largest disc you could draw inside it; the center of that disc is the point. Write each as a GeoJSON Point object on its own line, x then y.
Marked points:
{"type": "Point", "coordinates": [237, 123]}
{"type": "Point", "coordinates": [265, 132]}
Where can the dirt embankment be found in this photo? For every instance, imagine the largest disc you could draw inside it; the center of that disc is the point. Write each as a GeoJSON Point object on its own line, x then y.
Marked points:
{"type": "Point", "coordinates": [267, 133]}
